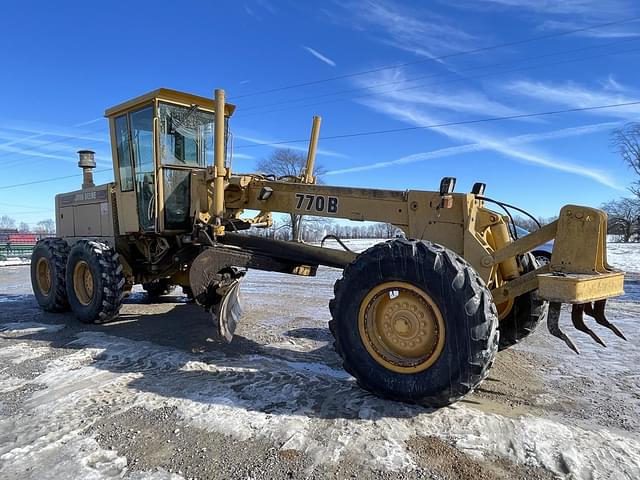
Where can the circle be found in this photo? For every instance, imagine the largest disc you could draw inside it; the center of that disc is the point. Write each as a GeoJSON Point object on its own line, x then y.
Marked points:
{"type": "Point", "coordinates": [401, 327]}
{"type": "Point", "coordinates": [43, 276]}
{"type": "Point", "coordinates": [83, 285]}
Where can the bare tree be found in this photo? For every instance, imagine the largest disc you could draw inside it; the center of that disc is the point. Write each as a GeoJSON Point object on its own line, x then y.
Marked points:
{"type": "Point", "coordinates": [286, 164]}
{"type": "Point", "coordinates": [626, 140]}
{"type": "Point", "coordinates": [46, 226]}
{"type": "Point", "coordinates": [530, 225]}
{"type": "Point", "coordinates": [7, 222]}
{"type": "Point", "coordinates": [23, 227]}
{"type": "Point", "coordinates": [624, 218]}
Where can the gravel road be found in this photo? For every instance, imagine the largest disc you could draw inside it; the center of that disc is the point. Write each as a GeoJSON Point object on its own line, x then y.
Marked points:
{"type": "Point", "coordinates": [155, 396]}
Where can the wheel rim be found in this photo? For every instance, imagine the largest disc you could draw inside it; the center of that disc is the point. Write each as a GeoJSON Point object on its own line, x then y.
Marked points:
{"type": "Point", "coordinates": [43, 276]}
{"type": "Point", "coordinates": [542, 260]}
{"type": "Point", "coordinates": [401, 327]}
{"type": "Point", "coordinates": [504, 308]}
{"type": "Point", "coordinates": [83, 282]}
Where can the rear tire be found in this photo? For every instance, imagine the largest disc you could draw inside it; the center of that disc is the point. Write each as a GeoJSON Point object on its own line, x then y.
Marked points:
{"type": "Point", "coordinates": [525, 315]}
{"type": "Point", "coordinates": [48, 263]}
{"type": "Point", "coordinates": [423, 278]}
{"type": "Point", "coordinates": [94, 282]}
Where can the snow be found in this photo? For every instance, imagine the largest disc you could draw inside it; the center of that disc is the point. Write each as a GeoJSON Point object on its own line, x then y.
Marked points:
{"type": "Point", "coordinates": [305, 405]}
{"type": "Point", "coordinates": [17, 329]}
{"type": "Point", "coordinates": [625, 256]}
{"type": "Point", "coordinates": [294, 404]}
{"type": "Point", "coordinates": [13, 262]}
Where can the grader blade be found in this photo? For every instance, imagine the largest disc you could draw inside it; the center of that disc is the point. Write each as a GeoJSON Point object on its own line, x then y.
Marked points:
{"type": "Point", "coordinates": [226, 313]}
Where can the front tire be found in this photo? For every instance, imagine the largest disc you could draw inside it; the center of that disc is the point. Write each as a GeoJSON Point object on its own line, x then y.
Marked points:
{"type": "Point", "coordinates": [526, 313]}
{"type": "Point", "coordinates": [48, 263]}
{"type": "Point", "coordinates": [94, 282]}
{"type": "Point", "coordinates": [414, 322]}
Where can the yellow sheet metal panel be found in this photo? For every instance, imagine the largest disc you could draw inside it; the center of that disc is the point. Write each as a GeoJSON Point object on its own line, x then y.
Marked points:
{"type": "Point", "coordinates": [579, 245]}
{"type": "Point", "coordinates": [580, 288]}
{"type": "Point", "coordinates": [65, 222]}
{"type": "Point", "coordinates": [168, 95]}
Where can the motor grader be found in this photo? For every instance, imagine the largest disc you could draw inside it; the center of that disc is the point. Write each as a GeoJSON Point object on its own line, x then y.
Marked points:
{"type": "Point", "coordinates": [416, 319]}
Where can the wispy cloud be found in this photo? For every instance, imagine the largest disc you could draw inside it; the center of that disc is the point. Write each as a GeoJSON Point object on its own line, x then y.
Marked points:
{"type": "Point", "coordinates": [565, 15]}
{"type": "Point", "coordinates": [436, 97]}
{"type": "Point", "coordinates": [256, 140]}
{"type": "Point", "coordinates": [49, 143]}
{"type": "Point", "coordinates": [243, 156]}
{"type": "Point", "coordinates": [477, 147]}
{"type": "Point", "coordinates": [259, 8]}
{"type": "Point", "coordinates": [15, 152]}
{"type": "Point", "coordinates": [409, 108]}
{"type": "Point", "coordinates": [35, 134]}
{"type": "Point", "coordinates": [574, 95]}
{"type": "Point", "coordinates": [419, 31]}
{"type": "Point", "coordinates": [319, 56]}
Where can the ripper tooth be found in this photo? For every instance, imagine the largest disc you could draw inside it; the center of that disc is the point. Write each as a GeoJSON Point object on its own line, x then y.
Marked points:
{"type": "Point", "coordinates": [597, 311]}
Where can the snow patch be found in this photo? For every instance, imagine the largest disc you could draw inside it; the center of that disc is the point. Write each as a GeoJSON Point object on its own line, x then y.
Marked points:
{"type": "Point", "coordinates": [21, 329]}
{"type": "Point", "coordinates": [18, 353]}
{"type": "Point", "coordinates": [14, 262]}
{"type": "Point", "coordinates": [625, 256]}
{"type": "Point", "coordinates": [306, 406]}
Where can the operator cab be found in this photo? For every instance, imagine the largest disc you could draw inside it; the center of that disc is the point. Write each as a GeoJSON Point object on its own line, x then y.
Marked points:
{"type": "Point", "coordinates": [157, 141]}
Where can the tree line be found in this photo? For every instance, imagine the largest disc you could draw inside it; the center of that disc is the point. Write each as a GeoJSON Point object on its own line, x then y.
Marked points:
{"type": "Point", "coordinates": [624, 213]}
{"type": "Point", "coordinates": [43, 226]}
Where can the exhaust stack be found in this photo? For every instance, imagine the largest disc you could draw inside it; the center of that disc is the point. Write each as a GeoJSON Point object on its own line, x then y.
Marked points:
{"type": "Point", "coordinates": [87, 163]}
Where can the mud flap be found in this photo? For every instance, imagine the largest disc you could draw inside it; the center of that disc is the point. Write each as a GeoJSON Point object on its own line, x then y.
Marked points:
{"type": "Point", "coordinates": [227, 312]}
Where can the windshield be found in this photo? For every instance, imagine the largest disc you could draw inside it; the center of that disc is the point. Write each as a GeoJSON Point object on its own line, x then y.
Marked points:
{"type": "Point", "coordinates": [186, 136]}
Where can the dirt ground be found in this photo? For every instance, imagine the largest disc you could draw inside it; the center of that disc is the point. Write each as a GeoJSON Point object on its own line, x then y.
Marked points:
{"type": "Point", "coordinates": [155, 395]}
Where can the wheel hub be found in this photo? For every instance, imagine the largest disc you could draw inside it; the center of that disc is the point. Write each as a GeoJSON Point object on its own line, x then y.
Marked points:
{"type": "Point", "coordinates": [401, 327]}
{"type": "Point", "coordinates": [83, 282]}
{"type": "Point", "coordinates": [43, 276]}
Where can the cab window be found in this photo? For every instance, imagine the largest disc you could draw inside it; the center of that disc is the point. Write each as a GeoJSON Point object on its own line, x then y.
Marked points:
{"type": "Point", "coordinates": [123, 148]}
{"type": "Point", "coordinates": [142, 142]}
{"type": "Point", "coordinates": [186, 136]}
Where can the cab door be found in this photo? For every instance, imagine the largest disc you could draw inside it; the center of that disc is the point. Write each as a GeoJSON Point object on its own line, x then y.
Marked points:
{"type": "Point", "coordinates": [185, 145]}
{"type": "Point", "coordinates": [144, 165]}
{"type": "Point", "coordinates": [136, 192]}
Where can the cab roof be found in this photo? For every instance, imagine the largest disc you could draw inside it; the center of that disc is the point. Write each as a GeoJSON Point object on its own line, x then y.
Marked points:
{"type": "Point", "coordinates": [168, 95]}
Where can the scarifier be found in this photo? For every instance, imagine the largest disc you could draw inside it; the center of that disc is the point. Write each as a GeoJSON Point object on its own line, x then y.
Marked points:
{"type": "Point", "coordinates": [417, 319]}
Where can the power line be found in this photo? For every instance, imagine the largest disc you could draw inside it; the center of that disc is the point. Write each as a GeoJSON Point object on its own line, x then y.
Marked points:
{"type": "Point", "coordinates": [15, 205]}
{"type": "Point", "coordinates": [45, 180]}
{"type": "Point", "coordinates": [459, 79]}
{"type": "Point", "coordinates": [53, 142]}
{"type": "Point", "coordinates": [17, 156]}
{"type": "Point", "coordinates": [442, 57]}
{"type": "Point", "coordinates": [447, 124]}
{"type": "Point", "coordinates": [438, 74]}
{"type": "Point", "coordinates": [378, 132]}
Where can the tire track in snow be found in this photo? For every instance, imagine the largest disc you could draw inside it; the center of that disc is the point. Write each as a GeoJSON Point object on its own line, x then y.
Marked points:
{"type": "Point", "coordinates": [304, 406]}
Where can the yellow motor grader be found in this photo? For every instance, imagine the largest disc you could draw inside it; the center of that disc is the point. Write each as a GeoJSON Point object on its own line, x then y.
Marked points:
{"type": "Point", "coordinates": [416, 319]}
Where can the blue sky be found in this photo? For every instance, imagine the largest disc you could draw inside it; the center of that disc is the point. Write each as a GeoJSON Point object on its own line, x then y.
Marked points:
{"type": "Point", "coordinates": [64, 63]}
